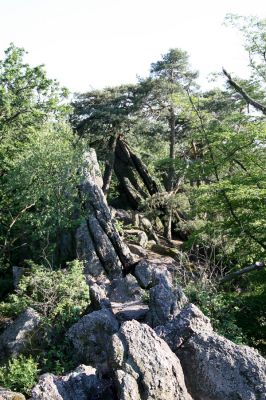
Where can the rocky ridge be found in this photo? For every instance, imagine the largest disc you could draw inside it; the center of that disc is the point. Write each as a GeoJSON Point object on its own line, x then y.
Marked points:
{"type": "Point", "coordinates": [142, 339]}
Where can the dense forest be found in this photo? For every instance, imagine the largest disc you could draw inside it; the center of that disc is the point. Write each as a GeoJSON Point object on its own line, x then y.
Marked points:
{"type": "Point", "coordinates": [190, 162]}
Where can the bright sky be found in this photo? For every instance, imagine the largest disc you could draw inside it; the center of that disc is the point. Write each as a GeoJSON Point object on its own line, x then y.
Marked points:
{"type": "Point", "coordinates": [87, 44]}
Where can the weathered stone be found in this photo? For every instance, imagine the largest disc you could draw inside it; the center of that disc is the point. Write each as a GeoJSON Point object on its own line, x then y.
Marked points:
{"type": "Point", "coordinates": [121, 215]}
{"type": "Point", "coordinates": [137, 236]}
{"type": "Point", "coordinates": [9, 395]}
{"type": "Point", "coordinates": [125, 289]}
{"type": "Point", "coordinates": [144, 274]}
{"type": "Point", "coordinates": [107, 244]}
{"type": "Point", "coordinates": [86, 251]}
{"type": "Point", "coordinates": [91, 168]}
{"type": "Point", "coordinates": [188, 322]}
{"type": "Point", "coordinates": [15, 337]}
{"type": "Point", "coordinates": [137, 250]}
{"type": "Point", "coordinates": [214, 367]}
{"type": "Point", "coordinates": [127, 386]}
{"type": "Point", "coordinates": [98, 297]}
{"type": "Point", "coordinates": [144, 357]}
{"type": "Point", "coordinates": [166, 301]}
{"type": "Point", "coordinates": [105, 250]}
{"type": "Point", "coordinates": [150, 272]}
{"type": "Point", "coordinates": [82, 384]}
{"type": "Point", "coordinates": [91, 334]}
{"type": "Point", "coordinates": [130, 310]}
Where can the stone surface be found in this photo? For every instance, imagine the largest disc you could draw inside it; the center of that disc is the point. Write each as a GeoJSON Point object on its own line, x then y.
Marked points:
{"type": "Point", "coordinates": [105, 250]}
{"type": "Point", "coordinates": [136, 236]}
{"type": "Point", "coordinates": [214, 367]}
{"type": "Point", "coordinates": [127, 386]}
{"type": "Point", "coordinates": [125, 289]}
{"type": "Point", "coordinates": [9, 395]}
{"type": "Point", "coordinates": [82, 384]}
{"type": "Point", "coordinates": [137, 353]}
{"type": "Point", "coordinates": [166, 301]}
{"type": "Point", "coordinates": [104, 241]}
{"type": "Point", "coordinates": [137, 250]}
{"type": "Point", "coordinates": [130, 310]}
{"type": "Point", "coordinates": [121, 215]}
{"type": "Point", "coordinates": [15, 337]}
{"type": "Point", "coordinates": [98, 296]}
{"type": "Point", "coordinates": [189, 321]}
{"type": "Point", "coordinates": [91, 334]}
{"type": "Point", "coordinates": [86, 251]}
{"type": "Point", "coordinates": [144, 274]}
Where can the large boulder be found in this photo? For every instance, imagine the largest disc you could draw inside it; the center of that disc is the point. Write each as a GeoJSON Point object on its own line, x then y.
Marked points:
{"type": "Point", "coordinates": [82, 384]}
{"type": "Point", "coordinates": [166, 301]}
{"type": "Point", "coordinates": [145, 366]}
{"type": "Point", "coordinates": [214, 367]}
{"type": "Point", "coordinates": [15, 337]}
{"type": "Point", "coordinates": [91, 334]}
{"type": "Point", "coordinates": [9, 395]}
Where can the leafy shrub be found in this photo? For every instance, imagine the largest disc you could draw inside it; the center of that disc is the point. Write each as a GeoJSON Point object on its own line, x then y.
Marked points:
{"type": "Point", "coordinates": [221, 307]}
{"type": "Point", "coordinates": [19, 374]}
{"type": "Point", "coordinates": [58, 295]}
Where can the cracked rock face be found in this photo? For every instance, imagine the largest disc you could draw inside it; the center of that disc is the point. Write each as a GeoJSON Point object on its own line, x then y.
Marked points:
{"type": "Point", "coordinates": [214, 367]}
{"type": "Point", "coordinates": [82, 384]}
{"type": "Point", "coordinates": [166, 302]}
{"type": "Point", "coordinates": [145, 365]}
{"type": "Point", "coordinates": [91, 335]}
{"type": "Point", "coordinates": [15, 337]}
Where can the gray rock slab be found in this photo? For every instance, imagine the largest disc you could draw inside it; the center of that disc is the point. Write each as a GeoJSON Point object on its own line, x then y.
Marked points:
{"type": "Point", "coordinates": [91, 334]}
{"type": "Point", "coordinates": [215, 368]}
{"type": "Point", "coordinates": [82, 384]}
{"type": "Point", "coordinates": [15, 337]}
{"type": "Point", "coordinates": [144, 357]}
{"type": "Point", "coordinates": [130, 310]}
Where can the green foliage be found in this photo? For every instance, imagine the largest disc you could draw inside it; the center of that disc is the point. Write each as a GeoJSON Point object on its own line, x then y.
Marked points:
{"type": "Point", "coordinates": [19, 374]}
{"type": "Point", "coordinates": [220, 307]}
{"type": "Point", "coordinates": [253, 30]}
{"type": "Point", "coordinates": [57, 357]}
{"type": "Point", "coordinates": [60, 296]}
{"type": "Point", "coordinates": [37, 158]}
{"type": "Point", "coordinates": [236, 312]}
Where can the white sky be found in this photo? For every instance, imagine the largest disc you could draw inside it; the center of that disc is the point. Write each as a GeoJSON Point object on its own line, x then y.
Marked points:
{"type": "Point", "coordinates": [88, 44]}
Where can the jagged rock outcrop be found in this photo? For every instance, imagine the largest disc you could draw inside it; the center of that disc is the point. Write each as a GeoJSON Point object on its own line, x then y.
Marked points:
{"type": "Point", "coordinates": [86, 251]}
{"type": "Point", "coordinates": [98, 241]}
{"type": "Point", "coordinates": [214, 367]}
{"type": "Point", "coordinates": [91, 335]}
{"type": "Point", "coordinates": [166, 300]}
{"type": "Point", "coordinates": [145, 365]}
{"type": "Point", "coordinates": [9, 395]}
{"type": "Point", "coordinates": [82, 384]}
{"type": "Point", "coordinates": [15, 337]}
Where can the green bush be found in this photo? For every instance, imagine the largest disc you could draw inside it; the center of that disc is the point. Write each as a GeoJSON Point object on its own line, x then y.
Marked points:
{"type": "Point", "coordinates": [221, 307]}
{"type": "Point", "coordinates": [59, 296]}
{"type": "Point", "coordinates": [19, 374]}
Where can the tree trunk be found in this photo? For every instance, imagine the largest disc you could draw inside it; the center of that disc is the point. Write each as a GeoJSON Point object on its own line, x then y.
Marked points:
{"type": "Point", "coordinates": [171, 171]}
{"type": "Point", "coordinates": [109, 164]}
{"type": "Point", "coordinates": [253, 267]}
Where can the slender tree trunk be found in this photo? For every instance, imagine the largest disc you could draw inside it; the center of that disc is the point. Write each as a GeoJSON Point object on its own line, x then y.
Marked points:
{"type": "Point", "coordinates": [171, 174]}
{"type": "Point", "coordinates": [171, 171]}
{"type": "Point", "coordinates": [109, 164]}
